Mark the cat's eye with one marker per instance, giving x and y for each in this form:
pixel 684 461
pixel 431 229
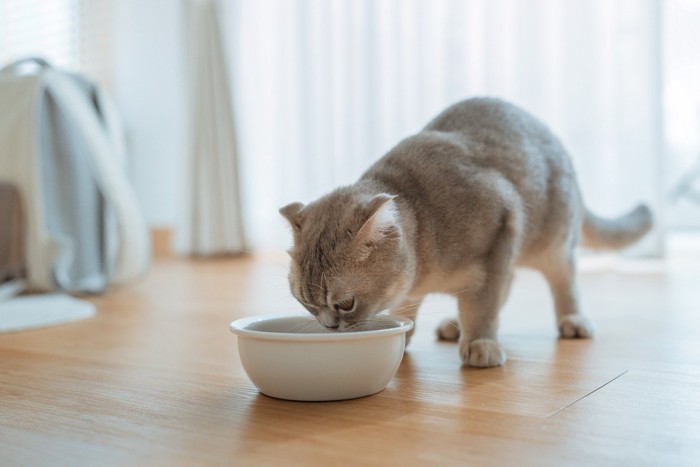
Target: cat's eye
pixel 345 305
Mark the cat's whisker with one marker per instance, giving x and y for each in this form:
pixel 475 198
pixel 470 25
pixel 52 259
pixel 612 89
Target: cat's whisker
pixel 315 285
pixel 312 326
pixel 375 323
pixel 459 292
pixel 303 327
pixel 402 308
pixel 296 327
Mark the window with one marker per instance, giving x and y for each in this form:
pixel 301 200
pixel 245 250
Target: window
pixel 72 34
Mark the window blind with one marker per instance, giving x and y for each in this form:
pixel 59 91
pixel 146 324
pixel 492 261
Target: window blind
pixel 71 34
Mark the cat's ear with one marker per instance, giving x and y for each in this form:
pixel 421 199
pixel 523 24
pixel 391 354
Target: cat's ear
pixel 291 213
pixel 383 223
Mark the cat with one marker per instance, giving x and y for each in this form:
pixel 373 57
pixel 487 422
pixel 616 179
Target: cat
pixel 483 188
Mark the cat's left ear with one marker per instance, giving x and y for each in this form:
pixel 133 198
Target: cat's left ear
pixel 383 222
pixel 291 213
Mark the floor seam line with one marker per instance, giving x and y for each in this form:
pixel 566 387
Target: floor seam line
pixel 561 409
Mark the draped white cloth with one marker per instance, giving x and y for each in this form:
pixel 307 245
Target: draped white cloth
pixel 212 223
pixel 325 87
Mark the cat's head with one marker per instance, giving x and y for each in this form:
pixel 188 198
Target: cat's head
pixel 349 259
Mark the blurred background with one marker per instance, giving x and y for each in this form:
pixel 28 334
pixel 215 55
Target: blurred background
pixel 317 90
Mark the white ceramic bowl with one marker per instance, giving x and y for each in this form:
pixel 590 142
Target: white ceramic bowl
pixel 295 358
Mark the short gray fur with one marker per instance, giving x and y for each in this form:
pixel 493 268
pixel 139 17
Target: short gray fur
pixel 485 187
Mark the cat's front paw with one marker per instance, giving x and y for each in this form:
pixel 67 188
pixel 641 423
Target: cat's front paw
pixel 573 326
pixel 448 330
pixel 482 353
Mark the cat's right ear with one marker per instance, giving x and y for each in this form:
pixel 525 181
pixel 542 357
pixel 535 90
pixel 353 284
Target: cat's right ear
pixel 291 213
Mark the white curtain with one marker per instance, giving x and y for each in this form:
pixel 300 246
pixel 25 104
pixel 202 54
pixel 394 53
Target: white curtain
pixel 324 88
pixel 212 223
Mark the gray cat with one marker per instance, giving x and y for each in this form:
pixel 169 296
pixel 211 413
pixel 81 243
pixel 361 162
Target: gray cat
pixel 485 187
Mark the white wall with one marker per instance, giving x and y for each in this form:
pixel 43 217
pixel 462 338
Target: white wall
pixel 148 86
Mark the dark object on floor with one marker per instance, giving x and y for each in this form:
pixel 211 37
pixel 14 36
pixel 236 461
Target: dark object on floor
pixel 12 265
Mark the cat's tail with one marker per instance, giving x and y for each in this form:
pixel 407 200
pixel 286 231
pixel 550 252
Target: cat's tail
pixel 619 232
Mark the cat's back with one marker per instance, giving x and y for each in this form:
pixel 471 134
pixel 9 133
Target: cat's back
pixel 501 136
pixel 449 166
pixel 473 137
pixel 479 116
pixel 490 126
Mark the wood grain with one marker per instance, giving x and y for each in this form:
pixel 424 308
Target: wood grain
pixel 154 379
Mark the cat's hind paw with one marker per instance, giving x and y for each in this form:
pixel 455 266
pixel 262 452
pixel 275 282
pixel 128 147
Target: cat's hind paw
pixel 482 353
pixel 575 326
pixel 448 330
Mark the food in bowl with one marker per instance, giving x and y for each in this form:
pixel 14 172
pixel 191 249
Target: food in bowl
pixel 295 358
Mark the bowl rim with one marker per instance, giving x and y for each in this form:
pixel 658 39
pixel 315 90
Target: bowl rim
pixel 238 327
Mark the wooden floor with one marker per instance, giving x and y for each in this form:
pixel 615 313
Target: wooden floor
pixel 154 379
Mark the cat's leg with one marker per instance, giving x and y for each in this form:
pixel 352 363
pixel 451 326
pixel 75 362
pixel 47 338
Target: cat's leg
pixel 479 308
pixel 560 273
pixel 409 309
pixel 478 319
pixel 448 329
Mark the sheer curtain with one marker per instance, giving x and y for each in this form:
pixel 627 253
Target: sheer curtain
pixel 324 88
pixel 212 223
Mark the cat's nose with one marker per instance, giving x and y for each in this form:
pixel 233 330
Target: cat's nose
pixel 329 319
